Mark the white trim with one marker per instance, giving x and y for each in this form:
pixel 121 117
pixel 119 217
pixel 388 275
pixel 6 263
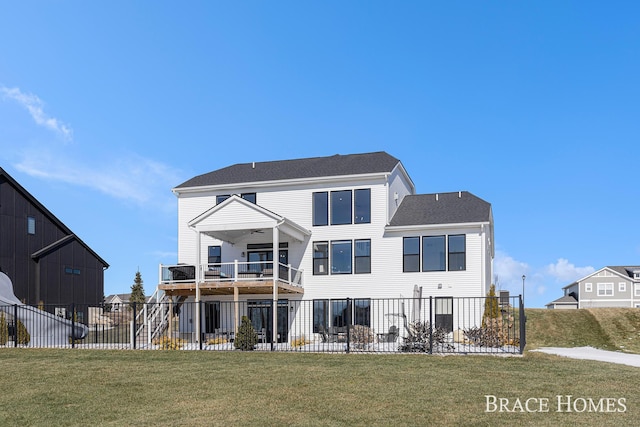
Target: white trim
pixel 588 287
pixel 403 228
pixel 622 287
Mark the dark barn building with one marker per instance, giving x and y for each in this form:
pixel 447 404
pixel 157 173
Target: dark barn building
pixel 46 262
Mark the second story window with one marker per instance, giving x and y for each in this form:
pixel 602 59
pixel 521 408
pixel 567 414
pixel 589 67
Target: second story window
pixel 411 254
pixel 321 208
pixel 31 225
pixel 320 258
pixel 341 207
pixel 457 253
pixel 362 206
pixel 249 197
pixel 433 253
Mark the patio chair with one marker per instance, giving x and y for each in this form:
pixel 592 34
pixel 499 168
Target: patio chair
pixel 390 336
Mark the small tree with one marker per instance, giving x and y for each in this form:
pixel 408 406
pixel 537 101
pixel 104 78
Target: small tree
pixel 491 306
pixel 246 338
pixel 137 290
pixel 4 329
pixel 23 335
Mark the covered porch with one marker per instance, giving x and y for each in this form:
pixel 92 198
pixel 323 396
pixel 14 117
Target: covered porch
pixel 262 239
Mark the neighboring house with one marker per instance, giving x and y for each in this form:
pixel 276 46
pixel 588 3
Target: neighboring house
pixel 117 302
pixel 608 287
pixel 344 226
pixel 43 258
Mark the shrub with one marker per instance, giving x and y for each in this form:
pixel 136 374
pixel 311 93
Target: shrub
pixel 495 332
pixel 168 343
pixel 421 336
pixel 299 342
pixel 23 335
pixel 491 306
pixel 246 337
pixel 360 336
pixel 4 329
pixel 217 340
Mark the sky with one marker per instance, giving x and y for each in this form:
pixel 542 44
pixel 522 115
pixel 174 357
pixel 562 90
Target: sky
pixel 105 106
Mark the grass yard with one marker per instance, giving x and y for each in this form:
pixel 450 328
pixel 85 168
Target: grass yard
pixel 143 388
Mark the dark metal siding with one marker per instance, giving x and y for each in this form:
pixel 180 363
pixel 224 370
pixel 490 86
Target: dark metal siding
pixel 44 279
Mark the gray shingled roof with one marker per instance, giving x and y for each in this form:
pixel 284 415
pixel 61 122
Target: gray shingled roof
pixel 625 271
pixel 443 208
pixel 337 165
pixel 567 299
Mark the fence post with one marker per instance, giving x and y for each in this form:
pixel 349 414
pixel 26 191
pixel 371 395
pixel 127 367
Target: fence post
pixel 73 325
pixel 15 325
pixel 523 329
pixel 348 321
pixel 430 324
pixel 134 327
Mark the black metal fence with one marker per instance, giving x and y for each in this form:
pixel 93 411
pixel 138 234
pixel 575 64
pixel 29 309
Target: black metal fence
pixel 426 325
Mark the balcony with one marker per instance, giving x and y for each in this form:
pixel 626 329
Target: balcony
pixel 228 278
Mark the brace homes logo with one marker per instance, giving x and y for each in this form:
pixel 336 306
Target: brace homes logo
pixel 558 403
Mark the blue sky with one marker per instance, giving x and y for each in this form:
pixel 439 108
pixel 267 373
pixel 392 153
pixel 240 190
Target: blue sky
pixel 534 107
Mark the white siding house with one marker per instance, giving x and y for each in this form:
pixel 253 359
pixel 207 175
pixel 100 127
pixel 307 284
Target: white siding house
pixel 344 226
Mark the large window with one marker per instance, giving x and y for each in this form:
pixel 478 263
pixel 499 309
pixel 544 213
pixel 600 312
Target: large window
pixel 341 257
pixel 215 255
pixel 320 315
pixel 31 225
pixel 457 252
pixel 321 208
pixel 341 207
pixel 605 289
pixel 362 312
pixel 433 253
pixel 320 258
pixel 363 256
pixel 411 254
pixel 362 206
pixel 339 313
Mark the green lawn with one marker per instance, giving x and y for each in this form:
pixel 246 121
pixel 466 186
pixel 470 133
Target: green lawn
pixel 143 388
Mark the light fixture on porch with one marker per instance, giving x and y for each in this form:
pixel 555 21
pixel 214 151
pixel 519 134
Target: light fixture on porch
pixel 242 254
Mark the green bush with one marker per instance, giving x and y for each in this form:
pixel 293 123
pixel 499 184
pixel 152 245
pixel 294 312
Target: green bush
pixel 246 337
pixel 491 306
pixel 23 335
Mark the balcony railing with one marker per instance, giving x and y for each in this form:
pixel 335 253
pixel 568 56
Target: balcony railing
pixel 260 271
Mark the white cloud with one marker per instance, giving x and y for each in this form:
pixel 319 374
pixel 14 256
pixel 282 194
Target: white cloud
pixel 508 271
pixel 564 271
pixel 34 106
pixel 132 178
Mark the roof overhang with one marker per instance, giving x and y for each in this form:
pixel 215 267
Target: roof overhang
pixel 419 227
pixel 237 219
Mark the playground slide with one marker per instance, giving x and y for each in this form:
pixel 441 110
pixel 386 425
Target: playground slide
pixel 45 329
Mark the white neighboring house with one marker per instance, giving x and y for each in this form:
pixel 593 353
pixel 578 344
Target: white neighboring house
pixel 117 301
pixel 613 286
pixel 343 226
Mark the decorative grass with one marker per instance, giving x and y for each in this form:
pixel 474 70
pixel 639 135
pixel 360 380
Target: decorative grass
pixel 200 388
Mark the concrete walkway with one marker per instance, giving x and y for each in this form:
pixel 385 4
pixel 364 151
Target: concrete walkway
pixel 590 353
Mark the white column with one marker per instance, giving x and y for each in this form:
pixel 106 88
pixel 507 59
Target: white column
pixel 197 278
pixel 276 273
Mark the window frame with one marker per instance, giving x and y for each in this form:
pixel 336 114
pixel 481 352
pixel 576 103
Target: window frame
pixel 320 261
pixel 363 258
pixel 338 216
pixel 406 255
pixel 451 254
pixel 362 313
pixel 320 315
pixel 588 287
pixel 320 208
pixel 221 198
pixel 604 288
pixel 250 197
pixel 426 266
pixel 340 311
pixel 31 225
pixel 362 206
pixel 211 259
pixel 622 287
pixel 333 258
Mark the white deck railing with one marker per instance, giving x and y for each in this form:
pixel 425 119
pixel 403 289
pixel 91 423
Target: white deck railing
pixel 229 272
